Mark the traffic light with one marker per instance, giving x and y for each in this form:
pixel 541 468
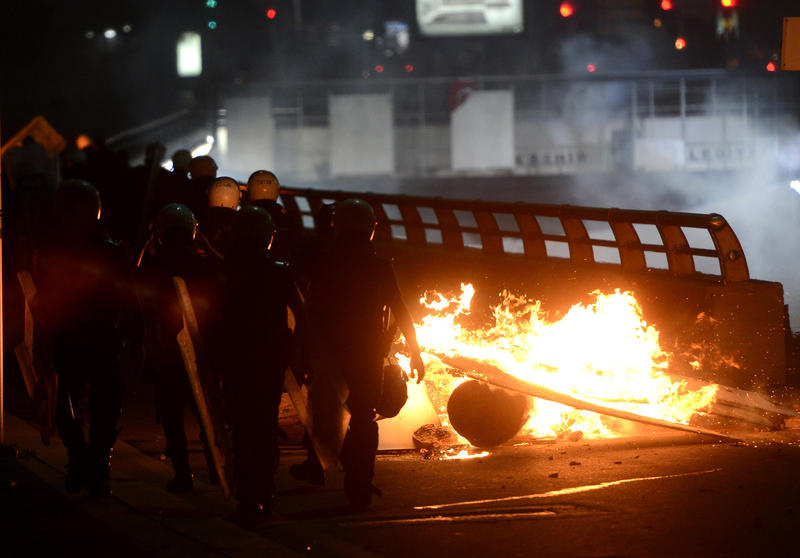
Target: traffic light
pixel 666 5
pixel 271 13
pixel 566 9
pixel 680 43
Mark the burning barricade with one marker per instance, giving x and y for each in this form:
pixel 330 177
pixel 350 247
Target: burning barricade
pixel 572 376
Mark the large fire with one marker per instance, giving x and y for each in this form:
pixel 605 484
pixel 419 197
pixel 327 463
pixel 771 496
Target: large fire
pixel 603 352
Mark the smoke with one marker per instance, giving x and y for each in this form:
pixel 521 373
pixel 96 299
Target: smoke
pixel 744 154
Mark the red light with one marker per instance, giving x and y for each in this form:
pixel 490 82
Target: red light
pixel 271 13
pixel 379 69
pixel 591 67
pixel 566 9
pixel 409 68
pixel 771 67
pixel 680 43
pixel 666 5
pixel 728 3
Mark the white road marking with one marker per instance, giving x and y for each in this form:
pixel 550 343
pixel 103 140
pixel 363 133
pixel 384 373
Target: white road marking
pixel 565 491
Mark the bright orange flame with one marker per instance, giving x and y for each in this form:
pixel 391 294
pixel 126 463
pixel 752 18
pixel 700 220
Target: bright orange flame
pixel 602 352
pixel 566 9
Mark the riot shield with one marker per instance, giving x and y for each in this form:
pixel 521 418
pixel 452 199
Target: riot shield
pixel 205 390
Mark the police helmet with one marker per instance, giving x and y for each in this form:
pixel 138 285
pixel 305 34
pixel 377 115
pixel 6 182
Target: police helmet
pixel 224 192
pixel 203 166
pixel 175 220
pixel 253 228
pixel 263 185
pixel 395 392
pixel 78 200
pixel 354 217
pixel 181 160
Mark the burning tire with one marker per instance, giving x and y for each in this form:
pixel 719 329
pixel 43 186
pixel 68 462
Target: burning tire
pixel 487 416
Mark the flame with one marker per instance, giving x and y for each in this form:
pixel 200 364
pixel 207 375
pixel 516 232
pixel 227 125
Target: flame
pixel 602 352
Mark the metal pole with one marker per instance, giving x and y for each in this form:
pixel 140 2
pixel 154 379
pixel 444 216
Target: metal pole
pixel 2 377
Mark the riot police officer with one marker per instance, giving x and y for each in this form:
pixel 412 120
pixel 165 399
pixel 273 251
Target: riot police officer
pixel 252 352
pixel 86 314
pixel 350 292
pixel 263 189
pixel 175 254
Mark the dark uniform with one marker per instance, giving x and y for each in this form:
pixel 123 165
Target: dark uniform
pixel 86 313
pixel 287 234
pixel 252 350
pixel 175 256
pixel 351 293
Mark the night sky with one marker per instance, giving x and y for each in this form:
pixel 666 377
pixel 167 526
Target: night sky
pixel 49 65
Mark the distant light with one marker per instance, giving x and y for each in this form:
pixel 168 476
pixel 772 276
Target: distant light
pixel 109 34
pixel 591 67
pixel 666 5
pixel 126 28
pixel 379 69
pixel 189 55
pixel 211 3
pixel 728 3
pixel 409 68
pixel 566 9
pixel 680 43
pixel 89 35
pixel 271 13
pixel 222 140
pixel 83 141
pixel 203 148
pixel 795 185
pixel 657 22
pixel 771 67
pixel 212 24
pixel 368 35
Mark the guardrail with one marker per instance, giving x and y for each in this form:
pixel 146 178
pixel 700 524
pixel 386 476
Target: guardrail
pixel 681 244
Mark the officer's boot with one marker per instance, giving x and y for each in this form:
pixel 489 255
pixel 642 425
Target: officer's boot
pixel 183 480
pixel 99 467
pixel 358 459
pixel 75 479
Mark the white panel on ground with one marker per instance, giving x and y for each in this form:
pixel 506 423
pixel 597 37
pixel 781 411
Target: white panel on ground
pixel 251 138
pixel 482 132
pixel 397 432
pixel 362 134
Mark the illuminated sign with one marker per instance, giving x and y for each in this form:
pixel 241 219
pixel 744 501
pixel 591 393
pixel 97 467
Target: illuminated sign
pixel 190 59
pixel 469 17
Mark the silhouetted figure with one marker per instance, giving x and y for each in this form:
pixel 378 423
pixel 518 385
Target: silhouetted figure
pixel 86 311
pixel 216 220
pixel 202 172
pixel 253 349
pixel 175 254
pixel 263 190
pixel 351 293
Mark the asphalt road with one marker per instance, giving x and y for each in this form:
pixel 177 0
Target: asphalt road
pixel 656 494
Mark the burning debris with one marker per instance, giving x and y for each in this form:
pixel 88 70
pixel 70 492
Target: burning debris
pixel 598 360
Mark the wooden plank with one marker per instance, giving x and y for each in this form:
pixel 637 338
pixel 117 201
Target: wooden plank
pixel 489 373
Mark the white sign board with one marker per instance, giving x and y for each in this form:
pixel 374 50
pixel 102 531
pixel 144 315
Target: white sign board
pixel 482 132
pixel 362 134
pixel 469 17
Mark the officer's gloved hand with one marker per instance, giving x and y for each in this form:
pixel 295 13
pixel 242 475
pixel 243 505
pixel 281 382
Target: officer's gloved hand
pixel 418 366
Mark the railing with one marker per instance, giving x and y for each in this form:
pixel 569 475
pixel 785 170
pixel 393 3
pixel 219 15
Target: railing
pixel 681 244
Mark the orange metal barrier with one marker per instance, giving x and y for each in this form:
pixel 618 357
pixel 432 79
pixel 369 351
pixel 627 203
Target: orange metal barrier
pixel 681 244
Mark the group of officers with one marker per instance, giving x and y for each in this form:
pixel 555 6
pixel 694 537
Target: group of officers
pixel 247 265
